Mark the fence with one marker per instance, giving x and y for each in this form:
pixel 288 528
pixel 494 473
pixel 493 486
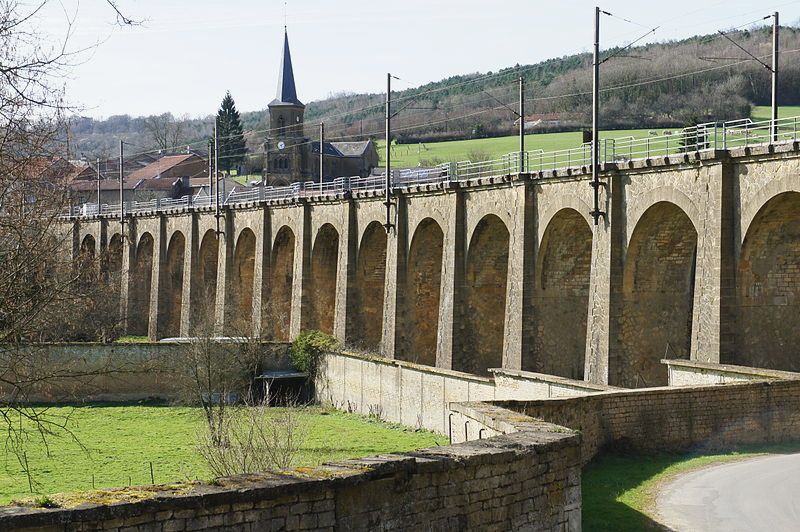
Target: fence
pixel 702 137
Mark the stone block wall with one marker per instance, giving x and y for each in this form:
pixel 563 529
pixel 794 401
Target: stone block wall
pixel 528 479
pixel 692 373
pixel 661 419
pixel 418 396
pixel 109 372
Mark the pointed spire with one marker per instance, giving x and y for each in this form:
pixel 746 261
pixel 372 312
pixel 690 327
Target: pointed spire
pixel 287 93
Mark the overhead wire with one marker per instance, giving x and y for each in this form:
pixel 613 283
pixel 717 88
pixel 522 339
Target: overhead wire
pixel 414 95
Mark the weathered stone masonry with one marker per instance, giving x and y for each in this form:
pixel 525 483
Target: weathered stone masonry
pixel 528 480
pixel 697 258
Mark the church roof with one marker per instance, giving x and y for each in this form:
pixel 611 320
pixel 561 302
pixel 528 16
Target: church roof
pixel 342 149
pixel 352 149
pixel 287 92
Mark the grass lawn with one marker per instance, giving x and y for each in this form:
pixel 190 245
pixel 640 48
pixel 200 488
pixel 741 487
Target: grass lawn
pixel 619 490
pixel 764 112
pixel 410 155
pixel 121 441
pixel 431 153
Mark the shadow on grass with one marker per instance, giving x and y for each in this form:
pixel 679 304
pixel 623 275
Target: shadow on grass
pixel 614 497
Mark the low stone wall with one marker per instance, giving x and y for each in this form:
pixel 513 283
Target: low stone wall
pixel 659 419
pixel 528 479
pixel 109 372
pixel 419 396
pixel 691 373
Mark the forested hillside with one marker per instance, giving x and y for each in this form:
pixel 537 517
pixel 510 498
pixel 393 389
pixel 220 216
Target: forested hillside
pixel 659 85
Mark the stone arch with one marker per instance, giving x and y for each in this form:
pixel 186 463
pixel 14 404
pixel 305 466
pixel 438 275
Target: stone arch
pixel 112 265
pixel 561 296
pixel 768 287
pixel 483 307
pixel 240 309
pixel 766 193
pixel 324 267
pixel 366 328
pixel 171 293
pixel 141 282
pixel 658 292
pixel 86 259
pixel 478 214
pixel 422 294
pixel 555 204
pixel 88 245
pixel 204 291
pixel 637 209
pixel 279 307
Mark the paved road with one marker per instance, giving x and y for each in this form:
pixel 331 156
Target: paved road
pixel 758 494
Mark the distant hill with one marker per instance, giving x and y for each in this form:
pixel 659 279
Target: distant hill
pixel 643 87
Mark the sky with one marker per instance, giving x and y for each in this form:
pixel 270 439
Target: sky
pixel 187 53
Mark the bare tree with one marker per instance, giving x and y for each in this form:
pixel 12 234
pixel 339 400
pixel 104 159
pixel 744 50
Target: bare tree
pixel 165 131
pixel 43 291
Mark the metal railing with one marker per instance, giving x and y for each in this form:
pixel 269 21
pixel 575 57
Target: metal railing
pixel 709 136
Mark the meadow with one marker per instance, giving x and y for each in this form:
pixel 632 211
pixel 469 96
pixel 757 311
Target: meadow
pixel 114 445
pixel 432 153
pixel 619 489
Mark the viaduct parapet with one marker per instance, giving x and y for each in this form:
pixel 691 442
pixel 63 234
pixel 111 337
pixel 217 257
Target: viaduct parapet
pixel 697 258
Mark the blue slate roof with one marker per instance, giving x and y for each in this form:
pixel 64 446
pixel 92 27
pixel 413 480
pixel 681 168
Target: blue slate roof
pixel 287 92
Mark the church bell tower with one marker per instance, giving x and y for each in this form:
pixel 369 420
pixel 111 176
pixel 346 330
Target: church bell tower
pixel 284 147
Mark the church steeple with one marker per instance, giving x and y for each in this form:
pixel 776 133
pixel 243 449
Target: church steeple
pixel 287 92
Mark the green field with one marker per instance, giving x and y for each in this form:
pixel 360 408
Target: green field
pixel 619 490
pixel 432 153
pixel 764 112
pixel 121 441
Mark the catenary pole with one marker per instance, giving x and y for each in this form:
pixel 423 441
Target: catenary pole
pixel 321 152
pixel 595 116
pixel 521 125
pixel 97 162
pixel 775 47
pixel 121 189
pixel 388 177
pixel 210 171
pixel 216 171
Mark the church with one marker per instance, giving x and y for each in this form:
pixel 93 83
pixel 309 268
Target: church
pixel 290 156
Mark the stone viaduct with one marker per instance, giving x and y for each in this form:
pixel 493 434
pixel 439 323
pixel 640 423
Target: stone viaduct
pixel 698 257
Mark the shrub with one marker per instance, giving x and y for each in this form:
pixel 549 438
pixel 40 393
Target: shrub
pixel 307 349
pixel 254 438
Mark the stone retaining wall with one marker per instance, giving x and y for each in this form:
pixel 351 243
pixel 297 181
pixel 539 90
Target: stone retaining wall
pixel 528 479
pixel 418 396
pixel 693 373
pixel 660 419
pixel 110 372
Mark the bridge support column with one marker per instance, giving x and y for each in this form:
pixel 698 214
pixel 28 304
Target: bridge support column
pixel 302 270
pixel 453 260
pixel 519 253
pixel 713 310
pixel 345 271
pixel 605 285
pixel 259 268
pixel 159 256
pixel 226 241
pixel 128 260
pixel 189 267
pixel 396 246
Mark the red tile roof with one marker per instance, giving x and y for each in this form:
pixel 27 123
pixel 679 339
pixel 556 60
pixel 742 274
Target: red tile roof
pixel 160 166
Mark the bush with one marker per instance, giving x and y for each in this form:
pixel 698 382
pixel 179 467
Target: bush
pixel 308 348
pixel 254 438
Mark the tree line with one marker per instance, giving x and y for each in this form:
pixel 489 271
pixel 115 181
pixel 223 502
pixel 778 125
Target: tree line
pixel 667 84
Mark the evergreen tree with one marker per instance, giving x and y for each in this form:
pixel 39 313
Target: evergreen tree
pixel 231 135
